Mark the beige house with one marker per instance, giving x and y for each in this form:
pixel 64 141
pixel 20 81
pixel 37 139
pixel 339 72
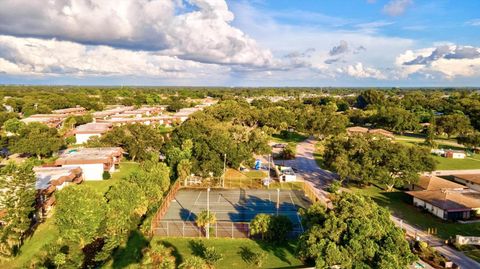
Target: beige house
pixel 84 132
pixel 93 161
pixel 51 179
pixel 470 180
pixel 448 204
pixel 434 183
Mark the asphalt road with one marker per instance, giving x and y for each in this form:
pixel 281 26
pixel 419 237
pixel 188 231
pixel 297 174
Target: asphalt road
pixel 307 169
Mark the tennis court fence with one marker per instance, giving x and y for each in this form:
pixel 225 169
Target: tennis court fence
pixel 221 229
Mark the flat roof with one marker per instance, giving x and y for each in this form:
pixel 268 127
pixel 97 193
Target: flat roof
pixel 88 155
pixel 45 175
pixel 450 200
pixel 93 128
pixel 475 178
pixel 68 110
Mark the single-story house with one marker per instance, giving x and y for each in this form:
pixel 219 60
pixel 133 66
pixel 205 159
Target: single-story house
pixel 84 132
pixel 363 130
pixel 160 120
pixel 382 132
pixel 448 204
pixel 50 179
pixel 287 174
pixel 455 154
pixel 145 111
pixel 93 161
pixel 184 113
pixel 111 111
pixel 51 120
pixel 357 130
pixel 470 180
pixel 78 110
pixel 434 183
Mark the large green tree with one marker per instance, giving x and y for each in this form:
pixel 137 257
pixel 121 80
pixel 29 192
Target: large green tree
pixel 17 203
pixel 153 179
pixel 355 233
pixel 453 124
pixel 37 139
pixel 80 214
pixel 138 140
pixel 373 160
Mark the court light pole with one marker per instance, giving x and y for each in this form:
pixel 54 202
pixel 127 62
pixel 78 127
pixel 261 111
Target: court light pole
pixel 224 169
pixel 208 214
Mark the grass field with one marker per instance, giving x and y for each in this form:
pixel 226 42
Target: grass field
pixel 46 233
pixel 293 137
pixel 397 203
pixel 471 162
pixel 104 185
pixel 233 251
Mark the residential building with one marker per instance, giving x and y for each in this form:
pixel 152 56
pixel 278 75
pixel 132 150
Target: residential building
pixel 111 111
pixel 363 130
pixel 86 131
pixel 470 180
pixel 434 183
pixel 78 110
pixel 93 161
pixel 51 179
pixel 448 204
pixel 51 120
pixel 455 154
pixel 382 132
pixel 357 130
pixel 287 174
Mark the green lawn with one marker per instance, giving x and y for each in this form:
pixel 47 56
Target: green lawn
pixel 397 203
pixel 472 162
pixel 293 137
pixel 104 185
pixel 279 255
pixel 45 233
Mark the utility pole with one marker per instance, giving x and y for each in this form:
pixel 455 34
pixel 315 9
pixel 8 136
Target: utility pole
pixel 208 214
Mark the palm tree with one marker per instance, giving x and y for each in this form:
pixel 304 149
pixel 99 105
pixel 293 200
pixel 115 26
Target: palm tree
pixel 204 219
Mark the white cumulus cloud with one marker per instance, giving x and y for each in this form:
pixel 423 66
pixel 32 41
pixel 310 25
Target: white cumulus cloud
pixel 450 61
pixel 202 32
pixel 33 56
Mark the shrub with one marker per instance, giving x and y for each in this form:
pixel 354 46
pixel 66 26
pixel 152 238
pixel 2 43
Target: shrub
pixel 258 257
pixel 212 256
pixel 193 262
pixel 106 175
pixel 289 151
pixel 335 186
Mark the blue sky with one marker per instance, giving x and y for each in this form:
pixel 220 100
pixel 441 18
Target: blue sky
pixel 241 42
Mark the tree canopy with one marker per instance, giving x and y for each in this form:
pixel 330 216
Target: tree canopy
pixel 372 160
pixel 356 233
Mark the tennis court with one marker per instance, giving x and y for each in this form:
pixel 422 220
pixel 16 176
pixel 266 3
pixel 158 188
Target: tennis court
pixel 233 208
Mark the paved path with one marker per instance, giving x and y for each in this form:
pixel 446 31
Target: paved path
pixel 309 171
